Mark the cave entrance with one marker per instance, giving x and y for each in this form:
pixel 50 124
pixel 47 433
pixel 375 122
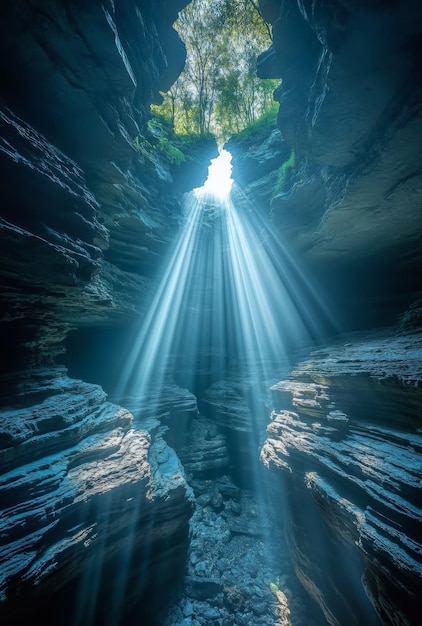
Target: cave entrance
pixel 228 294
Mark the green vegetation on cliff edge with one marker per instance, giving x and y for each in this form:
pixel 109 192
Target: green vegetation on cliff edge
pixel 161 139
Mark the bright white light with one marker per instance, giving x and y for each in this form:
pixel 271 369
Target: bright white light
pixel 219 181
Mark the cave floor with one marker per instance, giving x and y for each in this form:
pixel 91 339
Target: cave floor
pixel 238 570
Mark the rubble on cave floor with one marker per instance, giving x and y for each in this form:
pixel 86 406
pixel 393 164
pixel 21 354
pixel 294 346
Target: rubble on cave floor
pixel 237 572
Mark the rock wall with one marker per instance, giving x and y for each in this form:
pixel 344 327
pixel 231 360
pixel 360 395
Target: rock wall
pixel 344 439
pixel 350 97
pixel 85 220
pixel 85 216
pixel 339 178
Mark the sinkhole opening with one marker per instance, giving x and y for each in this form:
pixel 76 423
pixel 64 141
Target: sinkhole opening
pixel 219 182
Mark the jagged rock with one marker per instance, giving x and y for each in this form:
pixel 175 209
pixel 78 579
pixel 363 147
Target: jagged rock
pixel 350 111
pixel 93 70
pixel 85 217
pixel 345 437
pixel 86 492
pixel 201 448
pixel 252 162
pixel 202 588
pixel 80 489
pixel 239 406
pixel 87 220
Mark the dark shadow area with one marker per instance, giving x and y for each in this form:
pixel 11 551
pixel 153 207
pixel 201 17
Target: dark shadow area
pixel 105 594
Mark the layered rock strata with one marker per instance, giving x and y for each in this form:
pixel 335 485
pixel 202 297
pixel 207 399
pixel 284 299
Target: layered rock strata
pixel 83 494
pixel 345 441
pixel 86 218
pixel 344 191
pixel 350 109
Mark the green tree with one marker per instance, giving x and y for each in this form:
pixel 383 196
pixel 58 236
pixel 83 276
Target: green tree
pixel 218 90
pixel 201 26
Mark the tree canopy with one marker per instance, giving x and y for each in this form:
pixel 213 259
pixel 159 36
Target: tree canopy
pixel 218 91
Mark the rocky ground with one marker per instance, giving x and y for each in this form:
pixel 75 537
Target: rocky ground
pixel 230 577
pixel 238 571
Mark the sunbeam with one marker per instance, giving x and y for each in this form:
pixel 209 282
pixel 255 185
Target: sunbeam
pixel 219 181
pixel 229 288
pixel 225 299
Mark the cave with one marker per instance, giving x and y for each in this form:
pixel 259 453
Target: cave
pixel 211 374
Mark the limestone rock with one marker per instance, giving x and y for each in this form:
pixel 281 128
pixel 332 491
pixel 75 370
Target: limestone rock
pixel 80 489
pixel 345 436
pixel 350 112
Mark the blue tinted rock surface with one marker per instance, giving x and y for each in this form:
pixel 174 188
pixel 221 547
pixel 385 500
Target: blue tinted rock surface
pixel 345 441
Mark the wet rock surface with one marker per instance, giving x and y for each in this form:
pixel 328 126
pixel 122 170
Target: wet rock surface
pixel 84 491
pixel 350 114
pixel 345 440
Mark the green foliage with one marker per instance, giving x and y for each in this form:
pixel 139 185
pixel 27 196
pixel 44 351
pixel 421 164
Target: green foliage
pixel 257 131
pixel 172 152
pixel 218 91
pixel 285 173
pixel 143 146
pixel 273 587
pixel 164 141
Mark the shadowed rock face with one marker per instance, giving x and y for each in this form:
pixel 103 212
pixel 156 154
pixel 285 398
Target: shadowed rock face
pixel 85 217
pixel 350 102
pixel 345 440
pixel 94 508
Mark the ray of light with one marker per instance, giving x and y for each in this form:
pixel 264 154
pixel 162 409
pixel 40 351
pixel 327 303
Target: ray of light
pixel 316 313
pixel 219 181
pixel 228 294
pixel 150 353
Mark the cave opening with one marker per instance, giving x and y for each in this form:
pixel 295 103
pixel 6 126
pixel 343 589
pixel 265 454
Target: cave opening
pixel 211 390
